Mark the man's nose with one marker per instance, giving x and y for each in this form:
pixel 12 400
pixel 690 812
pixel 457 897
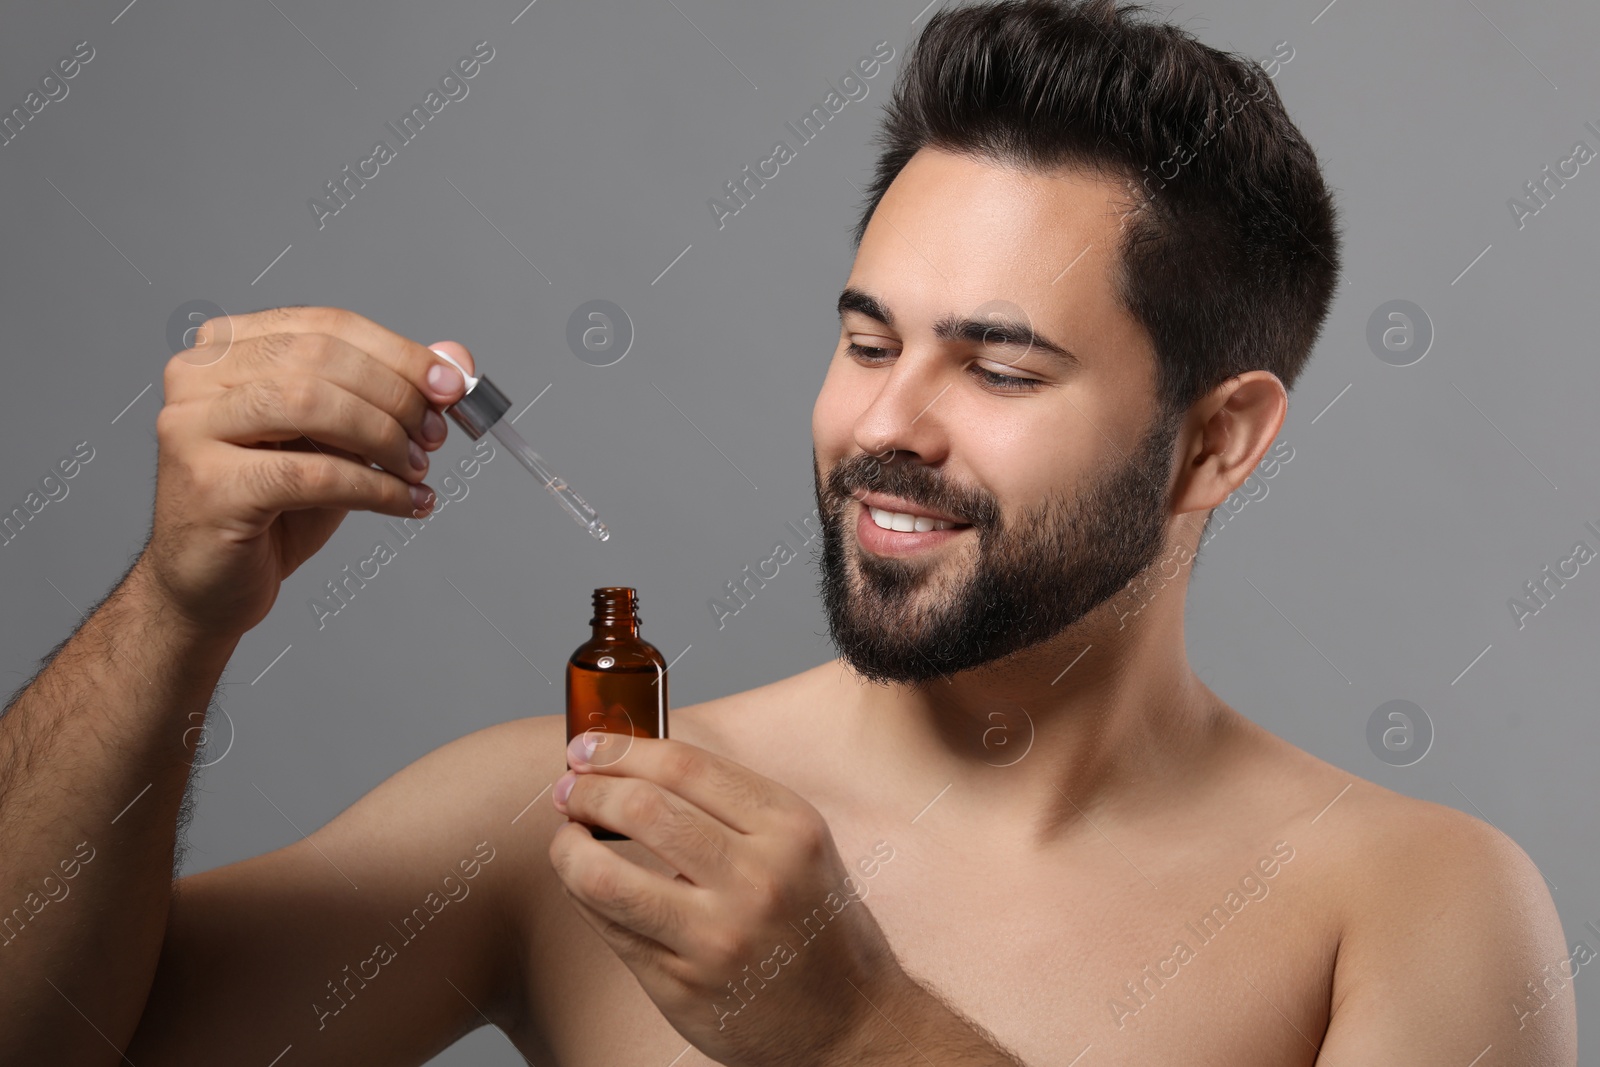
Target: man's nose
pixel 904 418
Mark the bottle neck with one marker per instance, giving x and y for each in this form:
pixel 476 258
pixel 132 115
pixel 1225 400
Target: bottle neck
pixel 616 629
pixel 616 615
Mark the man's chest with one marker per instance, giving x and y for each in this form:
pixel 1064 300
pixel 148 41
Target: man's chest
pixel 1101 962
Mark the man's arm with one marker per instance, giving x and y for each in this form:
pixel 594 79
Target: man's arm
pixel 1455 952
pixel 275 425
pixel 94 760
pixel 381 938
pixel 912 1026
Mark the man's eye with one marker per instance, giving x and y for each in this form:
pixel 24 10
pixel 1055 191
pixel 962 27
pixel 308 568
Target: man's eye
pixel 1006 381
pixel 864 352
pixel 988 377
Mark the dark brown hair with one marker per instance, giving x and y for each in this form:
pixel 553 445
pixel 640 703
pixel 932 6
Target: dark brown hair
pixel 1230 263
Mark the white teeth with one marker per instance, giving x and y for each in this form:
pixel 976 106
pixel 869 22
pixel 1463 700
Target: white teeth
pixel 893 520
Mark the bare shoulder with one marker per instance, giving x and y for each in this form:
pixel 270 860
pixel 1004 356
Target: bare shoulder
pixel 1385 839
pixel 1384 846
pixel 1451 931
pixel 1449 940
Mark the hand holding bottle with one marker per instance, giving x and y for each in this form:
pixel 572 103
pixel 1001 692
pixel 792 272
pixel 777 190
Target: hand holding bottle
pixel 752 857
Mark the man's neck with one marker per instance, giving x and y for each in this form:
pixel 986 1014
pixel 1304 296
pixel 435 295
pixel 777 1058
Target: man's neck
pixel 1030 748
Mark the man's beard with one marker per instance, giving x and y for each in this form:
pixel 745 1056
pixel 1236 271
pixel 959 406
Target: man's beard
pixel 1033 578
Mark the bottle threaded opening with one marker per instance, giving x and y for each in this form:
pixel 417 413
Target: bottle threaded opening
pixel 615 604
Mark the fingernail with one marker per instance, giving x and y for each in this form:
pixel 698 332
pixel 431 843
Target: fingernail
pixel 581 748
pixel 433 427
pixel 421 498
pixel 444 379
pixel 563 788
pixel 419 458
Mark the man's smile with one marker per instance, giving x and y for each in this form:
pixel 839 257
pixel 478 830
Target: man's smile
pixel 893 532
pixel 888 508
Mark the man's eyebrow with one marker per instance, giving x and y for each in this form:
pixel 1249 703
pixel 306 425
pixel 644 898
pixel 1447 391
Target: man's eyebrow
pixel 997 332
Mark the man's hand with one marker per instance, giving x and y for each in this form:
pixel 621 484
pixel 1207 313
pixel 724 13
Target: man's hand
pixel 272 424
pixel 762 902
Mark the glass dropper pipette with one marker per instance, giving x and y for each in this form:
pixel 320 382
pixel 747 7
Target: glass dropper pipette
pixel 482 410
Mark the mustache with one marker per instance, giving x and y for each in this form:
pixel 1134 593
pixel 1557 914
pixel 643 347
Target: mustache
pixel 917 484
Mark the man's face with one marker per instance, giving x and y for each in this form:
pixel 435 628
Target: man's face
pixel 1059 481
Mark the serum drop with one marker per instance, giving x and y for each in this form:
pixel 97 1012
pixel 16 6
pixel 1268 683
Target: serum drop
pixel 616 683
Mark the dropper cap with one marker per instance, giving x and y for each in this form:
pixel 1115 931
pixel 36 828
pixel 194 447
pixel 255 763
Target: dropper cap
pixel 481 407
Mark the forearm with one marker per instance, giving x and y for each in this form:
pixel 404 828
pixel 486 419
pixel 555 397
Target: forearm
pixel 94 760
pixel 908 1025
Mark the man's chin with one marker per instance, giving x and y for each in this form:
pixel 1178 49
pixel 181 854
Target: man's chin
pixel 880 674
pixel 886 647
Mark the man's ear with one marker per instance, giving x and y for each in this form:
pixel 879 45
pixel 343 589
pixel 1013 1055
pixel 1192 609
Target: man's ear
pixel 1229 431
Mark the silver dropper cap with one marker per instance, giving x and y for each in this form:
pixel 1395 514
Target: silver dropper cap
pixel 481 407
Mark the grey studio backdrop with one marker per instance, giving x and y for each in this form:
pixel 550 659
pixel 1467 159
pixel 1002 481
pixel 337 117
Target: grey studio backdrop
pixel 1376 565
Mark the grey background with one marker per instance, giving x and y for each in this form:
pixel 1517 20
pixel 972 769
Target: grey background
pixel 180 165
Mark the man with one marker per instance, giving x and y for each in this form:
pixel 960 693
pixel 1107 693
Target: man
pixel 1008 825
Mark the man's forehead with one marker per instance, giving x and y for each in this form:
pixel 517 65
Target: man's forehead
pixel 953 234
pixel 994 208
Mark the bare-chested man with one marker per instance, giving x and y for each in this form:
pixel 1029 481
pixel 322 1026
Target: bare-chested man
pixel 1009 824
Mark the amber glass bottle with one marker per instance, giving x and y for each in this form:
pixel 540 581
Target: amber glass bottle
pixel 616 682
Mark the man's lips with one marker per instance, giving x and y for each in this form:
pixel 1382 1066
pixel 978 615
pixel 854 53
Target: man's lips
pixel 902 506
pixel 904 544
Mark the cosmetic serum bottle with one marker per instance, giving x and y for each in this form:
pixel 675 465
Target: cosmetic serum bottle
pixel 616 683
